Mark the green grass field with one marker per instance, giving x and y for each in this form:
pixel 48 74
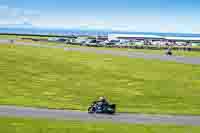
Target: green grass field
pixel 54 78
pixel 19 125
pixel 42 43
pixel 21 36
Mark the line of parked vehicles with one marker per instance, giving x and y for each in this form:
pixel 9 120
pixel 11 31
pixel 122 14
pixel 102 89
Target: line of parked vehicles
pixel 93 42
pixel 102 43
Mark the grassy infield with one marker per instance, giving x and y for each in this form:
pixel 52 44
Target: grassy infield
pixel 53 78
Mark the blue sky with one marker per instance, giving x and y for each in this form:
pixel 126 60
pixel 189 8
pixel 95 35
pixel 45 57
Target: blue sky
pixel 129 15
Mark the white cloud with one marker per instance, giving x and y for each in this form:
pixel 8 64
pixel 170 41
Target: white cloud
pixel 12 16
pixel 121 21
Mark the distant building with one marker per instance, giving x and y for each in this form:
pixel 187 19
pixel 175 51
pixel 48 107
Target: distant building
pixel 155 39
pixel 134 37
pixel 102 38
pixel 184 39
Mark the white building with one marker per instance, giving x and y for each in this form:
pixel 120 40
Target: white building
pixel 133 37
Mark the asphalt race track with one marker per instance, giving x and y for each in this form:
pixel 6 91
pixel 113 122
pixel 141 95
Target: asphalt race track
pixel 12 111
pixel 179 59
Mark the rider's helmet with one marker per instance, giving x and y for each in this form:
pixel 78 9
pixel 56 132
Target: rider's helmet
pixel 101 98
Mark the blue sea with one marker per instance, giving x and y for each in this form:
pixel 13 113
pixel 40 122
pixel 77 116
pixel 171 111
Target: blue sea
pixel 41 31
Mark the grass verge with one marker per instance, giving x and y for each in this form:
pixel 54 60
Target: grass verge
pixel 19 125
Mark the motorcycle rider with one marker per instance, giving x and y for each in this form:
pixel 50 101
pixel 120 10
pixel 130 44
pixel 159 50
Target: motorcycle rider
pixel 102 102
pixel 101 105
pixel 169 51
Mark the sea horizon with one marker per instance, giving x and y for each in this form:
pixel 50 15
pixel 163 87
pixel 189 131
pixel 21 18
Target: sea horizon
pixel 79 31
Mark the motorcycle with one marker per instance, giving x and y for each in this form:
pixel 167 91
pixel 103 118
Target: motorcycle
pixel 102 109
pixel 169 53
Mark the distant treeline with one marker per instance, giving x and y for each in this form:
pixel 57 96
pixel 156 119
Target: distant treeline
pixel 38 35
